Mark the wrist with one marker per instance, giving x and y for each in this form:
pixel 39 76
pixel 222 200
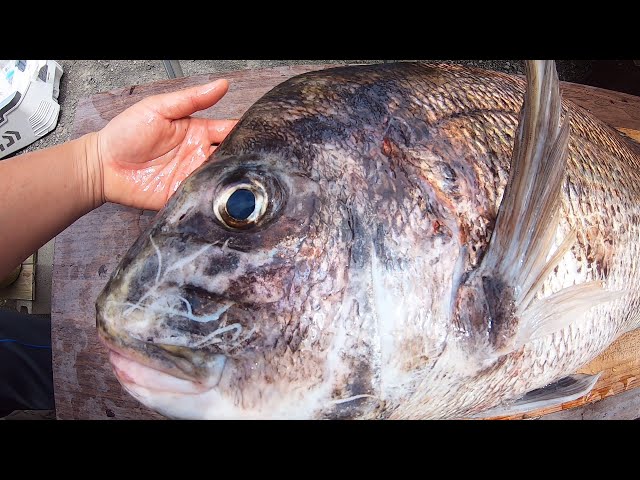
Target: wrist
pixel 90 170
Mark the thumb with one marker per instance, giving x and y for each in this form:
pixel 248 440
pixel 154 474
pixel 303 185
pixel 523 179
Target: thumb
pixel 183 103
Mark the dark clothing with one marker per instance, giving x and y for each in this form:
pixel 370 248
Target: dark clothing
pixel 26 375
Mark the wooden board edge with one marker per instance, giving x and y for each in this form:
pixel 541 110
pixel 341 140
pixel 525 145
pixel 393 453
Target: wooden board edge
pixel 629 132
pixel 74 129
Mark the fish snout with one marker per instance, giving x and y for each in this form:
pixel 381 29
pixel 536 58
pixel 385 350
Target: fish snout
pixel 136 360
pixel 171 332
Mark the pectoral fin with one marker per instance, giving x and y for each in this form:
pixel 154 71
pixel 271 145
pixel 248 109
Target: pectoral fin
pixel 566 389
pixel 528 216
pixel 497 303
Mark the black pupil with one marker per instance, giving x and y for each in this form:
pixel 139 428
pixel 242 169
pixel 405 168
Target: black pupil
pixel 241 204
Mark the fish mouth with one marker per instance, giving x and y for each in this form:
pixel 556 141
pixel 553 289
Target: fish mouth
pixel 160 368
pixel 132 373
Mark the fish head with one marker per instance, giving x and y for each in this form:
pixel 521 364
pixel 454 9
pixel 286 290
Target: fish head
pixel 218 309
pixel 298 273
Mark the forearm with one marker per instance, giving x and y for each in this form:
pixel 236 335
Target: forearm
pixel 42 193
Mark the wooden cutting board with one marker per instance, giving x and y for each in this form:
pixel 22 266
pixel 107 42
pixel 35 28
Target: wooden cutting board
pixel 87 252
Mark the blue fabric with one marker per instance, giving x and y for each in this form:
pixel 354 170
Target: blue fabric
pixel 26 374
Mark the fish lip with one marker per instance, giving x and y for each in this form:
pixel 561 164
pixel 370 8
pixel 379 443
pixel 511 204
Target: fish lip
pixel 129 381
pixel 132 354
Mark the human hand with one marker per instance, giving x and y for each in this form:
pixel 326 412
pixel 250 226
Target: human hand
pixel 147 151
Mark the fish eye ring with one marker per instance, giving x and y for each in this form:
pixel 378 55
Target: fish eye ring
pixel 241 204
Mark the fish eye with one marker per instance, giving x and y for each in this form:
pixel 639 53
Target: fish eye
pixel 241 205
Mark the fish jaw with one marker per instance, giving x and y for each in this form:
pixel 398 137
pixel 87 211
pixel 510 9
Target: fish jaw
pixel 133 373
pixel 135 360
pixel 165 380
pixel 171 396
pixel 180 399
pixel 177 398
pixel 158 379
pixel 172 372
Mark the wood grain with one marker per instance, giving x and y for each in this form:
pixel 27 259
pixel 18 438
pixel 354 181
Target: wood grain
pixel 88 251
pixel 620 110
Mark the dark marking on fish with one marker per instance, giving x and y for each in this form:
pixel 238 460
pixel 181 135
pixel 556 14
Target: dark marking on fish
pixel 319 129
pixel 350 409
pixel 102 270
pixel 266 284
pixel 358 383
pixel 360 380
pixel 360 252
pixel 223 264
pixel 407 132
pixel 379 242
pixel 202 301
pixel 197 225
pixel 145 278
pixel 501 308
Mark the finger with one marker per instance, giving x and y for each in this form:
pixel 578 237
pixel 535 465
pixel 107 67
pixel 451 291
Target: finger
pixel 218 129
pixel 183 103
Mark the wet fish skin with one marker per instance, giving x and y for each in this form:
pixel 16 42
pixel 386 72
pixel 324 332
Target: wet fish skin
pixel 342 294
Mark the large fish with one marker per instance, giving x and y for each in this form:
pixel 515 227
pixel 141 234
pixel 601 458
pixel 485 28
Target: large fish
pixel 368 243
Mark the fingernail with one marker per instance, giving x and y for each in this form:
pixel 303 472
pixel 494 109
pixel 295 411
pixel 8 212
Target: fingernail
pixel 211 86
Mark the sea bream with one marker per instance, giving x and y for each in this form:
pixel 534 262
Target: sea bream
pixel 394 241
